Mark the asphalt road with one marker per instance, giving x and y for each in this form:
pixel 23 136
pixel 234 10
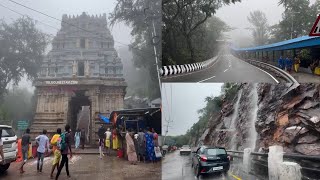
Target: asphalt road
pixel 227 68
pixel 177 167
pixel 88 167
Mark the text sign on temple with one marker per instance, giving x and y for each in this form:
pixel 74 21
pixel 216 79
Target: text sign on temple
pixel 61 82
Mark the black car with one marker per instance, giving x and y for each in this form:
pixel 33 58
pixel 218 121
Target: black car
pixel 207 160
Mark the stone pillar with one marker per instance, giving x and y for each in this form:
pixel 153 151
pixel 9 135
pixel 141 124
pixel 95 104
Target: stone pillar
pixel 289 170
pixel 247 160
pixel 275 158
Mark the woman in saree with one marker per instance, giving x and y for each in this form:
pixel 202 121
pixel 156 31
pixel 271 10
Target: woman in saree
pixel 131 150
pixel 150 146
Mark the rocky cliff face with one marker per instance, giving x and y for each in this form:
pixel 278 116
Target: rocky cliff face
pixel 262 115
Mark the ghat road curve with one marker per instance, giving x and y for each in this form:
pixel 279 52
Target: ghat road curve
pixel 226 68
pixel 177 167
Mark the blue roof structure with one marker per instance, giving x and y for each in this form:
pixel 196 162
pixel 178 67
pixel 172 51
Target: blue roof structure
pixel 300 42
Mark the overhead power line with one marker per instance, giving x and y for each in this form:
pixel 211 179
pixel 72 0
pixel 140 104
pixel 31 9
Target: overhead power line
pixel 69 23
pixel 30 18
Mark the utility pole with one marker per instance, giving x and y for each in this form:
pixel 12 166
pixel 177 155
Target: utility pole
pixel 155 42
pixel 292 13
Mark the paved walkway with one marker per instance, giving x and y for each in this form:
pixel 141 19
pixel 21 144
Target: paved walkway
pixel 304 75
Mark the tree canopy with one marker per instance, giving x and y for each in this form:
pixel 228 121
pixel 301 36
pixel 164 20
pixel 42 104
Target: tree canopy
pixel 185 32
pixel 297 20
pixel 22 48
pixel 141 15
pixel 260 30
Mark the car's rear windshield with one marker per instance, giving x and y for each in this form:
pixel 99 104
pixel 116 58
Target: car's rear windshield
pixel 7 132
pixel 215 152
pixel 185 146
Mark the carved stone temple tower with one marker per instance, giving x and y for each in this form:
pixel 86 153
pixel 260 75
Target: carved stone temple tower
pixel 82 69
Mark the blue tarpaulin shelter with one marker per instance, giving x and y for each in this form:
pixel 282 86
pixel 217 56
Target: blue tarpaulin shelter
pixel 296 43
pixel 103 118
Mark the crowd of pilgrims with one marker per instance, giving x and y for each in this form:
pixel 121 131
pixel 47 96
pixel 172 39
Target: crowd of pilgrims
pixel 139 145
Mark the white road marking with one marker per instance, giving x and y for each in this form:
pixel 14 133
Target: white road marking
pixel 225 70
pixel 207 79
pixel 263 71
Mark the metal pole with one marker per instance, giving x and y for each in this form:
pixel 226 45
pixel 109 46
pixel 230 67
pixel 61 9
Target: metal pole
pixel 291 25
pixel 154 34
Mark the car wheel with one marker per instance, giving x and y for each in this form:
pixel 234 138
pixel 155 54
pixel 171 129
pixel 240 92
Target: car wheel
pixel 3 168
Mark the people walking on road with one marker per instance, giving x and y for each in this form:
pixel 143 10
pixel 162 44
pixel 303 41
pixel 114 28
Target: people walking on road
pixel 281 63
pixel 83 137
pixel 65 146
pixel 150 146
pixel 296 63
pixel 43 146
pixel 56 151
pixel 25 142
pixel 115 141
pixel 1 148
pixel 108 141
pixel 131 150
pixel 288 63
pixel 77 138
pixel 141 146
pixel 102 137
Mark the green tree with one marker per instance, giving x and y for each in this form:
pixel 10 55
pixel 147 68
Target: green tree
pixel 141 15
pixel 17 104
pixel 297 20
pixel 183 23
pixel 22 47
pixel 260 30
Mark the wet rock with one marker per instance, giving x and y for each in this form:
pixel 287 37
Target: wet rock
pixel 295 120
pixel 294 130
pixel 293 102
pixel 309 149
pixel 283 119
pixel 308 104
pixel 308 139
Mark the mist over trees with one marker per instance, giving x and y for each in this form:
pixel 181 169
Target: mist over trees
pixel 141 15
pixel 260 29
pixel 187 31
pixel 22 48
pixel 212 108
pixel 17 104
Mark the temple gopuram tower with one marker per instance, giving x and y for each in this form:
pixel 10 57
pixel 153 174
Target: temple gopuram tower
pixel 82 69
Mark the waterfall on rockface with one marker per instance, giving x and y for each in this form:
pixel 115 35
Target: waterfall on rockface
pixel 233 123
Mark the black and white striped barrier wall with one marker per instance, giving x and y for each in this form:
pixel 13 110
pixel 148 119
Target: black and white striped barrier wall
pixel 185 68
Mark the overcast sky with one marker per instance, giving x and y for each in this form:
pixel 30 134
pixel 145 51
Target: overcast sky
pixel 181 101
pixel 235 15
pixel 57 8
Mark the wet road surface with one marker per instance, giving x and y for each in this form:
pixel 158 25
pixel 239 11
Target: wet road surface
pixel 88 167
pixel 177 167
pixel 227 68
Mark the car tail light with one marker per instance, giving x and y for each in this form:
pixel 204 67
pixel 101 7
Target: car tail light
pixel 203 170
pixel 203 158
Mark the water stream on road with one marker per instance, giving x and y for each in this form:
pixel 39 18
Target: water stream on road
pixel 253 117
pixel 233 123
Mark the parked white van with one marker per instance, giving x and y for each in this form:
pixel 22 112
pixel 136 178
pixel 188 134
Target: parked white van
pixel 9 140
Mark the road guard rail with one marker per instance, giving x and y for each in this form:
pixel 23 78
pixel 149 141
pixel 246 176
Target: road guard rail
pixel 310 165
pixel 275 70
pixel 185 68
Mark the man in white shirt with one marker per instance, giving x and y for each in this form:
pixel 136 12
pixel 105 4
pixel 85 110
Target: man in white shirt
pixel 43 144
pixel 108 140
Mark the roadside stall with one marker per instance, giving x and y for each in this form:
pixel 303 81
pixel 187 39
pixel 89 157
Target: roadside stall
pixel 132 120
